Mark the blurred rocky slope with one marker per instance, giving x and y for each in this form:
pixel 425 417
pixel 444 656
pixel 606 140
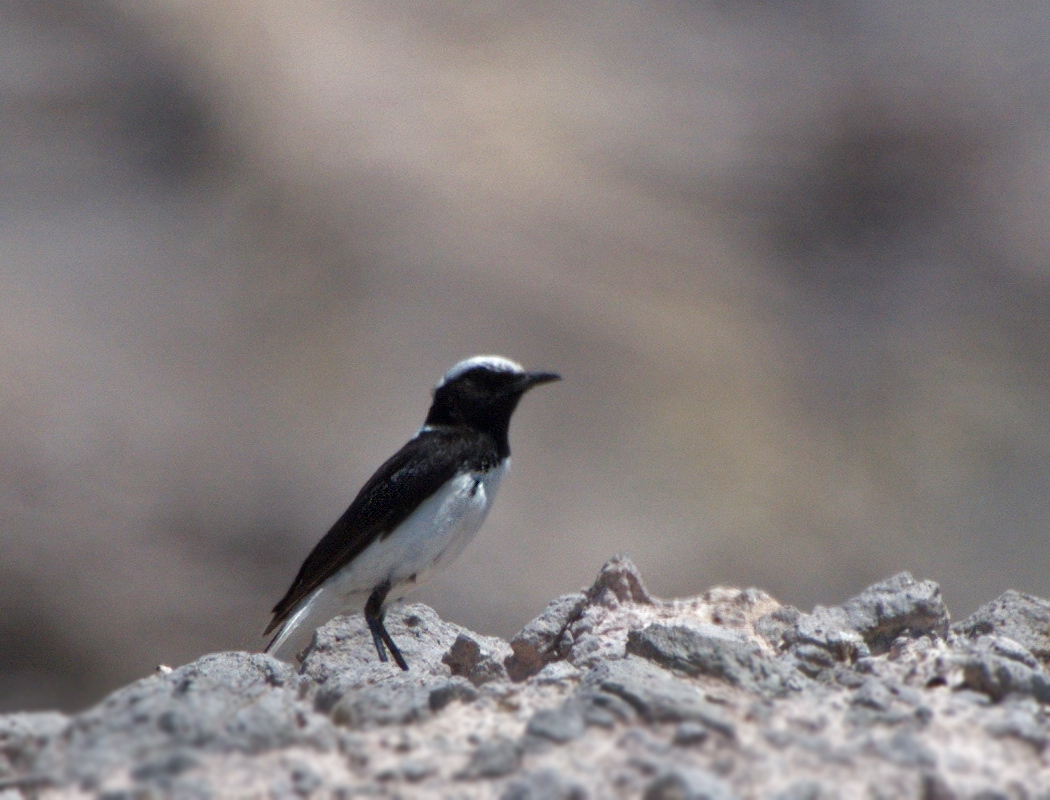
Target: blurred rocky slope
pixel 790 257
pixel 609 693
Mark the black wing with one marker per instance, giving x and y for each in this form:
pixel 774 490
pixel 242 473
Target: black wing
pixel 397 488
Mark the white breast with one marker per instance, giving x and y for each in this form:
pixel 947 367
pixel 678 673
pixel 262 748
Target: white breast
pixel 433 535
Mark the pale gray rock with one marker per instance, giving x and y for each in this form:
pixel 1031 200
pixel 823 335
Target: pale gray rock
pixel 1023 720
pixel 342 656
pixel 999 667
pixel 545 784
pixel 493 759
pixel 162 726
pixel 603 709
pixel 805 790
pixel 409 770
pixel 682 783
pixel 22 735
pixel 610 693
pixel 865 625
pixel 933 786
pixel 541 641
pixel 558 725
pixel 400 701
pixel 656 695
pixel 479 659
pixel 614 605
pixel 619 582
pixel 823 639
pixel 903 748
pixel 558 673
pixel 1017 616
pixel 898 605
pixel 873 694
pixel 690 734
pixel 773 626
pixel 709 650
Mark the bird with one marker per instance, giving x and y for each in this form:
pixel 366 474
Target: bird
pixel 416 513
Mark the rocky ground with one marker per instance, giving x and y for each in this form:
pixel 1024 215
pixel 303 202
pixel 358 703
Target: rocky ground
pixel 610 692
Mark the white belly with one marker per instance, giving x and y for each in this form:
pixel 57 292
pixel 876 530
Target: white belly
pixel 433 535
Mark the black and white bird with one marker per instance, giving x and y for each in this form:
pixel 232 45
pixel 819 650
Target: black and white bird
pixel 417 512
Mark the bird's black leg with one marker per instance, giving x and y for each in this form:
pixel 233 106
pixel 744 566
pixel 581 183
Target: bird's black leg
pixel 373 625
pixel 389 642
pixel 374 618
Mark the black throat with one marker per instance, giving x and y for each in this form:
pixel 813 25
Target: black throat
pixel 490 417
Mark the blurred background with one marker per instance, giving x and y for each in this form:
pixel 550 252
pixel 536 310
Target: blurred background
pixel 791 258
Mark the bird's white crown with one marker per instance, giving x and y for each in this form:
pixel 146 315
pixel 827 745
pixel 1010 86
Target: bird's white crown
pixel 494 363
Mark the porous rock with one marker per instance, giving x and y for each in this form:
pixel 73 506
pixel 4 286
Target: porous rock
pixel 539 642
pixel 682 783
pixel 558 725
pixel 999 667
pixel 493 759
pixel 619 581
pixel 609 693
pixel 544 784
pixel 710 650
pixel 865 625
pixel 656 695
pixel 480 659
pixel 220 704
pixel 900 604
pixel 1017 616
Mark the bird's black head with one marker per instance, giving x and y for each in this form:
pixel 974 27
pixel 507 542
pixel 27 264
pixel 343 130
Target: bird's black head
pixel 482 392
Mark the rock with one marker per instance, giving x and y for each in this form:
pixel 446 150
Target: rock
pixel 558 725
pixel 400 701
pixel 682 783
pixel 1021 721
pixel 773 626
pixel 397 705
pixel 900 604
pixel 710 650
pixel 690 734
pixel 603 709
pixel 493 759
pixel 933 786
pixel 823 639
pixel 999 667
pixel 343 657
pixel 409 770
pixel 873 694
pixel 615 694
pixel 619 582
pixel 1020 617
pixel 656 696
pixel 448 691
pixel 865 625
pixel 220 704
pixel 903 748
pixel 558 673
pixel 804 790
pixel 479 659
pixel 540 642
pixel 22 736
pixel 577 627
pixel 546 784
